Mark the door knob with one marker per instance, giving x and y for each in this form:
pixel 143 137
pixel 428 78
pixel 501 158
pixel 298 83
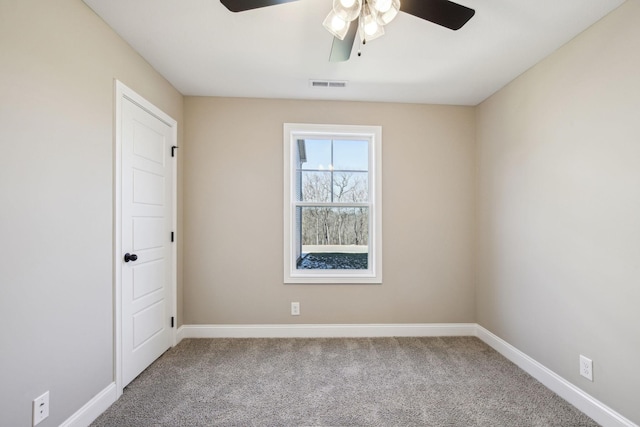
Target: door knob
pixel 130 257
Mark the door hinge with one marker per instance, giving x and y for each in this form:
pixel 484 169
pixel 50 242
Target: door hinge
pixel 172 236
pixel 172 320
pixel 173 150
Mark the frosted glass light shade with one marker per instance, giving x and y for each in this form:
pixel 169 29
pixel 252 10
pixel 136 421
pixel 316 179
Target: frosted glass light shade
pixel 336 25
pixel 386 10
pixel 369 28
pixel 381 5
pixel 348 10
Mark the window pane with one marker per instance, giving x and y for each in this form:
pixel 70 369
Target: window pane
pixel 315 154
pixel 334 238
pixel 351 187
pixel 313 187
pixel 351 155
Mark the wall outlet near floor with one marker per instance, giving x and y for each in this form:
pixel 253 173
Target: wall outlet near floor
pixel 295 309
pixel 586 367
pixel 40 408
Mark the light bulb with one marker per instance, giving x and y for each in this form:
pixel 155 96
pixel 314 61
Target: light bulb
pixel 383 5
pixel 370 28
pixel 337 23
pixel 348 10
pixel 387 11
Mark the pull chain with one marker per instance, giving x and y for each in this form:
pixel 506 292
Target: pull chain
pixel 364 41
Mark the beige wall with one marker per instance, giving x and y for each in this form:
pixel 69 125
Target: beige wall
pixel 234 215
pixel 559 210
pixel 58 62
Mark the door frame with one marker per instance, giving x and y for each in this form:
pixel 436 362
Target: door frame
pixel 123 92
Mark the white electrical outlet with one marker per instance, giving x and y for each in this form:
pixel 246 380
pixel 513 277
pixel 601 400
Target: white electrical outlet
pixel 295 309
pixel 586 367
pixel 40 408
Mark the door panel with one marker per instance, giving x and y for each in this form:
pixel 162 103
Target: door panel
pixel 148 278
pixel 148 188
pixel 148 233
pixel 147 324
pixel 148 144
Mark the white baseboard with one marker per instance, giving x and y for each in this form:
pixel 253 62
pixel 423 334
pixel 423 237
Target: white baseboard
pixel 595 409
pixel 93 408
pixel 327 331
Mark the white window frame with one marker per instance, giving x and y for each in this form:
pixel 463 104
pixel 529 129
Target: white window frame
pixel 373 134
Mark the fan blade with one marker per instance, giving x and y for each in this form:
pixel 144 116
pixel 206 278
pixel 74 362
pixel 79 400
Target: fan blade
pixel 242 5
pixel 441 12
pixel 341 49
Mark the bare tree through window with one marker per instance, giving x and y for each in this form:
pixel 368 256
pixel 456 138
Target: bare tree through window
pixel 332 180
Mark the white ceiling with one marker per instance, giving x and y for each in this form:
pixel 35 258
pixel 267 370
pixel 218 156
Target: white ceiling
pixel 203 49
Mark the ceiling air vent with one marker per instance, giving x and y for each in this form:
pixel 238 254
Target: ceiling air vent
pixel 327 83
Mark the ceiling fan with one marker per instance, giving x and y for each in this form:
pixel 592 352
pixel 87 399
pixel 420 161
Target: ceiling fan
pixel 368 17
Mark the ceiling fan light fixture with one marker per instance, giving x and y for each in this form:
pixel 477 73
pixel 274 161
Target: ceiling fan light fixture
pixel 372 16
pixel 348 10
pixel 336 25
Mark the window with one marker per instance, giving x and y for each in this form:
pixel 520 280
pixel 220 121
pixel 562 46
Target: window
pixel 332 197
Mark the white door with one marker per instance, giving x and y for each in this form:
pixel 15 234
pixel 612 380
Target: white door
pixel 147 170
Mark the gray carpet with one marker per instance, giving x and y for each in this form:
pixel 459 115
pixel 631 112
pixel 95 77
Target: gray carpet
pixel 453 381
